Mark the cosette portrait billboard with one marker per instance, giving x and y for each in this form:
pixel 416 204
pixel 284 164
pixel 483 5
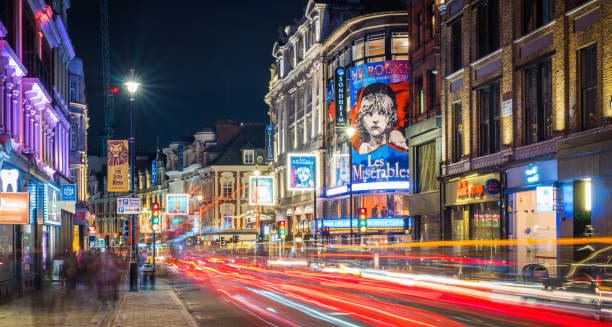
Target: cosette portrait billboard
pixel 301 172
pixel 177 204
pixel 379 100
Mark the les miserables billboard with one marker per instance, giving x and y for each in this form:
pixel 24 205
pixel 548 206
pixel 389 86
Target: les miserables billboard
pixel 379 100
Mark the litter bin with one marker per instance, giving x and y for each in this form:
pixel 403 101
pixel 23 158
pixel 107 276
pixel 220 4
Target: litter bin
pixel 147 277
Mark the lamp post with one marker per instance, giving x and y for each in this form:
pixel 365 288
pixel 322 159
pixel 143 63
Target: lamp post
pixel 133 268
pixel 350 131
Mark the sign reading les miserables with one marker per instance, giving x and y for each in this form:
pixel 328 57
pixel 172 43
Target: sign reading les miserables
pixel 118 166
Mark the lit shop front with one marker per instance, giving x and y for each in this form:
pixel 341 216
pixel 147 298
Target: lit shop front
pixel 472 207
pixel 533 211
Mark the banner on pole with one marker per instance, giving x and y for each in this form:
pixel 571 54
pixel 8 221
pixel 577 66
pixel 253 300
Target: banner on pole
pixel 118 179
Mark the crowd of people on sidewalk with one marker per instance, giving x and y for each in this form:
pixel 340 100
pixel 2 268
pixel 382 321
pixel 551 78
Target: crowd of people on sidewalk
pixel 100 271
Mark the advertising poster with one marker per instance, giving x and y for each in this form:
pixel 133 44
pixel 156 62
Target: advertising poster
pixel 177 204
pixel 380 99
pixel 14 208
pixel 52 211
pixel 261 189
pixel 301 171
pixel 329 101
pixel 118 166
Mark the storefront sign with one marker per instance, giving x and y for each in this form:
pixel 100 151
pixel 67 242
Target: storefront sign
pixel 177 204
pixel 301 172
pixel 492 186
pixel 69 192
pixel 118 166
pixel 51 209
pixel 269 143
pixel 14 208
pixel 465 190
pixel 129 206
pixel 532 174
pixel 92 230
pixel 380 100
pixel 9 179
pixel 261 189
pixel 340 94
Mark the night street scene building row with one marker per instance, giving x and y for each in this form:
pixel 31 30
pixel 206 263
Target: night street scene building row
pixel 43 141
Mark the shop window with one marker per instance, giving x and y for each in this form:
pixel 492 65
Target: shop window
pixel 419 29
pixel 456 48
pixel 487 27
pixel 489 118
pixel 536 13
pixel 458 131
pixel 426 166
pixel 538 103
pixel 588 86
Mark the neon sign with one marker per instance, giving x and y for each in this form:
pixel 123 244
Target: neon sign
pixel 372 223
pixel 532 175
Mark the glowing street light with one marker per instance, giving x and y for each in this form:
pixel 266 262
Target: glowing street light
pixel 132 86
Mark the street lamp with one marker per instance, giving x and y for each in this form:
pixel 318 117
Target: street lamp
pixel 350 131
pixel 132 87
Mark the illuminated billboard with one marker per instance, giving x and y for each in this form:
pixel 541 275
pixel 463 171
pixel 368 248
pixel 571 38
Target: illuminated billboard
pixel 51 209
pixel 118 166
pixel 261 190
pixel 177 204
pixel 380 99
pixel 14 208
pixel 301 175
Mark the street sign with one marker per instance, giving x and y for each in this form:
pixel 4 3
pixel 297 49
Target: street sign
pixel 129 206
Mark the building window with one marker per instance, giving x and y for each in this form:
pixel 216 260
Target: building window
pixel 418 84
pixel 375 50
pixel 73 137
pixel 290 58
pixel 358 49
pixel 538 103
pixel 227 189
pixel 488 27
pixel 248 157
pixel 588 86
pixel 300 50
pixel 489 118
pixel 426 167
pixel 432 89
pixel 456 57
pixel 432 19
pixel 73 91
pixel 399 45
pixel 419 31
pixel 536 13
pixel 458 131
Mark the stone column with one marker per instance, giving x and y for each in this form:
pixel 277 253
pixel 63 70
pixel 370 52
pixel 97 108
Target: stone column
pixel 6 113
pixel 26 127
pixel 15 113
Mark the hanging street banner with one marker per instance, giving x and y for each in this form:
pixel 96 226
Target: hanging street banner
pixel 118 179
pixel 69 192
pixel 180 157
pixel 177 204
pixel 129 206
pixel 340 94
pixel 301 172
pixel 269 143
pixel 380 99
pixel 14 208
pixel 261 190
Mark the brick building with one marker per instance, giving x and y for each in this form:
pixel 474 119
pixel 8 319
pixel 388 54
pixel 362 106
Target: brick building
pixel 526 104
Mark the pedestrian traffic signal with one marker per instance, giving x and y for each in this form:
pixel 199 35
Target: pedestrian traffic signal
pixel 363 220
pixel 155 217
pixel 282 232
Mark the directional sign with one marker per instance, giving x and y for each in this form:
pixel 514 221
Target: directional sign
pixel 129 206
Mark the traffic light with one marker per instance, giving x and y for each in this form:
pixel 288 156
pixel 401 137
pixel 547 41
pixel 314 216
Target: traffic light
pixel 362 220
pixel 282 232
pixel 126 229
pixel 155 217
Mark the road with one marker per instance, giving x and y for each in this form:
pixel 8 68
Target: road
pixel 219 293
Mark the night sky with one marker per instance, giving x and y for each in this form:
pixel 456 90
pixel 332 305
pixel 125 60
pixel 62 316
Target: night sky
pixel 198 61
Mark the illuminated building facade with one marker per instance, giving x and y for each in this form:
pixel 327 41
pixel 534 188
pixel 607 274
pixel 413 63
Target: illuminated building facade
pixel 526 108
pixel 35 52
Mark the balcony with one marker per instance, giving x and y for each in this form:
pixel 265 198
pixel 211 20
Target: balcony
pixel 36 68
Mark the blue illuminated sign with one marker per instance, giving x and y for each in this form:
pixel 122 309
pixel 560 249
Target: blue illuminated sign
pixel 154 172
pixel 69 192
pixel 532 175
pixel 372 223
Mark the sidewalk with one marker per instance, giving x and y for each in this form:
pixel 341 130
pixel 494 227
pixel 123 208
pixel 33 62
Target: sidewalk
pixel 160 307
pixel 55 307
